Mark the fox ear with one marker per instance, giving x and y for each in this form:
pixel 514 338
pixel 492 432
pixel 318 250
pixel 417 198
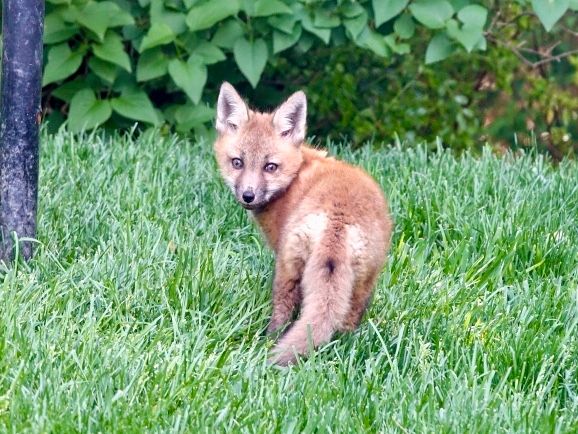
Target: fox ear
pixel 232 111
pixel 290 118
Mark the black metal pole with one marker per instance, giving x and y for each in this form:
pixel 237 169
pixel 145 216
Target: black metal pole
pixel 22 28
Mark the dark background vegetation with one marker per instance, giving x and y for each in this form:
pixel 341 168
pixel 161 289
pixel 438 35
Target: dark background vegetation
pixel 470 73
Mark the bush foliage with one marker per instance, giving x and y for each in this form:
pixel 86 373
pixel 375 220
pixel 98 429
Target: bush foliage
pixel 367 65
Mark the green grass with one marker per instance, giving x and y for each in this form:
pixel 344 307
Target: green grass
pixel 145 305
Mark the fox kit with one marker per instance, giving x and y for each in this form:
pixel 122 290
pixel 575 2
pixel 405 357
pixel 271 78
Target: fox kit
pixel 327 222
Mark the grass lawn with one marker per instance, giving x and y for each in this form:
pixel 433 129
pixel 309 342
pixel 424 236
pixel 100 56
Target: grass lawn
pixel 145 305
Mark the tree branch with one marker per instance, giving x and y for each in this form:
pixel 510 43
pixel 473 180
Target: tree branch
pixel 546 54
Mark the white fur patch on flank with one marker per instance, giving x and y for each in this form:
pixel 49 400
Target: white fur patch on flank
pixel 357 242
pixel 306 233
pixel 313 226
pixel 299 242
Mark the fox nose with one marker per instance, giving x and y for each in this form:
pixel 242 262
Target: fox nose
pixel 248 196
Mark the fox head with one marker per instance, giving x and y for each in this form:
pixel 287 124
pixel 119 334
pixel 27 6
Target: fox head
pixel 259 154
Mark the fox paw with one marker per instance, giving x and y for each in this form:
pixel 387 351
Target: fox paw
pixel 282 356
pixel 275 327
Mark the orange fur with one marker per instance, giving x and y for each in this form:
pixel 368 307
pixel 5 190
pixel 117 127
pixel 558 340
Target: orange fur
pixel 327 221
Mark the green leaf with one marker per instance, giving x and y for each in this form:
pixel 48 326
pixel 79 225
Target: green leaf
pixel 107 71
pixel 194 114
pixel 251 57
pixel 151 64
pixel 169 112
pixel 190 76
pixel 432 13
pixel 323 34
pixel 282 41
pixel 473 15
pixel 481 44
pixel 56 29
pixel 62 63
pixel 355 26
pixel 248 6
pixel 227 34
pixel 208 53
pixel 284 23
pixel 352 10
pixel 99 16
pixel 460 4
pixel 208 14
pixel 69 14
pixel 468 35
pixel 396 47
pixel 374 41
pixel 86 112
pixel 190 116
pixel 112 50
pixel 385 10
pixel 117 17
pixel 136 105
pixel 325 19
pixel 404 26
pixel 305 43
pixel 439 48
pixel 266 8
pixel 160 15
pixel 550 11
pixel 67 90
pixel 158 34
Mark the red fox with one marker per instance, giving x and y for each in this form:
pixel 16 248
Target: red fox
pixel 327 222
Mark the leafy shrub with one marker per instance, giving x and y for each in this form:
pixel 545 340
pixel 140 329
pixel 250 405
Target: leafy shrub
pixel 160 61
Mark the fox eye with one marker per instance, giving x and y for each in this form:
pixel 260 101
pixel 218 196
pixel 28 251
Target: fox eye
pixel 271 167
pixel 237 163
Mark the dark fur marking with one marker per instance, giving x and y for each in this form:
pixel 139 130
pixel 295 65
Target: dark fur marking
pixel 330 264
